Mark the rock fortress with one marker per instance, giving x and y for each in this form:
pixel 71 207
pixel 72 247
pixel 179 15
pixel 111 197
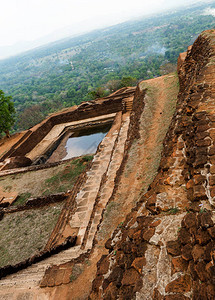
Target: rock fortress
pixel 114 198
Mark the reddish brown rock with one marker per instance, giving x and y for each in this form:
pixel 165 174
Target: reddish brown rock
pixel 201 292
pixel 202 236
pixel 108 244
pixel 51 281
pixel 210 288
pixel 211 231
pixel 103 265
pixel 192 271
pixel 204 220
pixel 211 150
pixel 199 192
pixel 212 134
pixel 155 223
pixel 197 252
pixel 97 282
pixel 180 285
pixel 126 247
pixel 213 256
pixel 150 204
pixel 200 269
pixel 212 159
pixel 202 143
pixel 111 292
pixel 186 252
pixel 138 264
pixel 17 162
pixel 126 292
pixel 194 207
pixel 202 135
pixel 137 235
pixel 173 247
pixel 211 117
pixel 199 151
pixel 116 275
pixel 44 281
pixel 212 180
pixel 208 250
pixel 199 179
pixel 184 236
pixel 210 269
pixel 147 234
pixel 131 232
pixel 189 220
pixel 139 249
pixel 66 277
pixel 144 221
pixel 179 264
pixel 130 277
pixel 176 297
pixel 212 191
pixel 190 184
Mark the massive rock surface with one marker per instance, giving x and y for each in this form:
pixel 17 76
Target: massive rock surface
pixel 165 248
pixel 164 245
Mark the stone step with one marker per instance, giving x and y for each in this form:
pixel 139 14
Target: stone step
pixel 107 188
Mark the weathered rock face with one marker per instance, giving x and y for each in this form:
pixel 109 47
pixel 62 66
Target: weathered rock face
pixel 165 248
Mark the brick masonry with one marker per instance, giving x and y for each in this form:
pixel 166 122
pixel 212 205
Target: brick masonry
pixel 165 248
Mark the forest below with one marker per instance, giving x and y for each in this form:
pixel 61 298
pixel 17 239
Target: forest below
pixel 77 69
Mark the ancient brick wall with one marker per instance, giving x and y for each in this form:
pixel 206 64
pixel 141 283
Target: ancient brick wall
pixel 86 110
pixel 165 248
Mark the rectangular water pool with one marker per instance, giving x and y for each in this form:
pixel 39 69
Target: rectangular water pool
pixel 85 141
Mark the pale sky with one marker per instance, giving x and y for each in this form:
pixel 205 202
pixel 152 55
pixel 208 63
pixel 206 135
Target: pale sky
pixel 28 20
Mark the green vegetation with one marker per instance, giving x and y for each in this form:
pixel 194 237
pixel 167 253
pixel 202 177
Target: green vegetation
pixel 76 271
pixel 48 181
pixel 112 206
pixel 23 234
pixel 173 210
pixel 64 180
pixel 203 210
pixel 77 69
pixel 7 113
pixel 22 198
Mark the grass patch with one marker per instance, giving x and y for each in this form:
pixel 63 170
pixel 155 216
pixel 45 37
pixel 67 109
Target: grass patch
pixel 46 181
pixel 23 234
pixel 64 180
pixel 76 271
pixel 110 208
pixel 21 199
pixel 173 211
pixel 203 210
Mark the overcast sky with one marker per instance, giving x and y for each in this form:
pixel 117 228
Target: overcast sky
pixel 28 20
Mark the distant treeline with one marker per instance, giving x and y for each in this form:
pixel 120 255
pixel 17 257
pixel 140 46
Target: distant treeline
pixel 70 71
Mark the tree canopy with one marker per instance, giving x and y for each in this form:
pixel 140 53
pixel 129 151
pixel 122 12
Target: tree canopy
pixel 7 113
pixel 95 64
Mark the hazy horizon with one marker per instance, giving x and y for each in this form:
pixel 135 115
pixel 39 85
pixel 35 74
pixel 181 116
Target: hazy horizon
pixel 25 25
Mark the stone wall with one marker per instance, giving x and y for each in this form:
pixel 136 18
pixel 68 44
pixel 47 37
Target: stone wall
pixel 99 107
pixel 165 247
